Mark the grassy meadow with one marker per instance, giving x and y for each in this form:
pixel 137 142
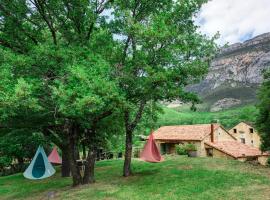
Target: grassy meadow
pixel 178 177
pixel 228 118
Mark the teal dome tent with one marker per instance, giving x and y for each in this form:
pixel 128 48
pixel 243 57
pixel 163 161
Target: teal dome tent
pixel 39 167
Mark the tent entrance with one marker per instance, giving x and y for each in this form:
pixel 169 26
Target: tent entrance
pixel 39 167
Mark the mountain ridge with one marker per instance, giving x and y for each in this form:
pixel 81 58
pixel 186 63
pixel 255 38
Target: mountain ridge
pixel 235 74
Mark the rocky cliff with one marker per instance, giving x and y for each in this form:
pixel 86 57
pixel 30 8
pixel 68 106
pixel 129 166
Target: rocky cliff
pixel 235 73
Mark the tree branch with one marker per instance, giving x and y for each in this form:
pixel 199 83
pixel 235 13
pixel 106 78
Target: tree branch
pixel 40 7
pixel 132 125
pixel 99 10
pixel 103 115
pixel 48 132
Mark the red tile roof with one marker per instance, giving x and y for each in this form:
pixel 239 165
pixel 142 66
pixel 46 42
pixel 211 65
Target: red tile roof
pixel 236 149
pixel 184 132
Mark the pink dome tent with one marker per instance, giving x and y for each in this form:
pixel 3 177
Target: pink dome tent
pixel 54 157
pixel 150 151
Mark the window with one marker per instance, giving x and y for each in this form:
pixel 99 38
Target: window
pixel 235 130
pixel 251 130
pixel 243 140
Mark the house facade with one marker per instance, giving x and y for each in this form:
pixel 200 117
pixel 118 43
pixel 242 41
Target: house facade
pixel 210 140
pixel 246 134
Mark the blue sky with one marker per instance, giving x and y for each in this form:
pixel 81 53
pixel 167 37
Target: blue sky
pixel 235 20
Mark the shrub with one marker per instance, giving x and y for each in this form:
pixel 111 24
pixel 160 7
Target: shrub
pixel 4 161
pixel 180 150
pixel 190 147
pixel 183 149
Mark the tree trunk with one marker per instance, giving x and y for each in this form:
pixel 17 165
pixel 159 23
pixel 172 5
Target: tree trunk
pixel 90 166
pixel 128 154
pixel 73 154
pixel 130 127
pixel 77 152
pixel 75 171
pixel 76 176
pixel 65 168
pixel 20 164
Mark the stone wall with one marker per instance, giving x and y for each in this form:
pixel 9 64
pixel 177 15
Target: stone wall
pixel 243 131
pixel 219 135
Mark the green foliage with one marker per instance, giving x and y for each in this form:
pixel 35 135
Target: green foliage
pixel 190 147
pixel 263 118
pixel 183 149
pixel 5 161
pixel 90 89
pixel 164 55
pixel 180 150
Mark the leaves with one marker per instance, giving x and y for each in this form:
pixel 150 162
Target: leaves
pixel 263 118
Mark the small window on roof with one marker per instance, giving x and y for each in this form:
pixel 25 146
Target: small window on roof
pixel 235 130
pixel 251 130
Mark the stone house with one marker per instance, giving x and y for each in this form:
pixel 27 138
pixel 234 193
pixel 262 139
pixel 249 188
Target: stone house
pixel 210 140
pixel 246 134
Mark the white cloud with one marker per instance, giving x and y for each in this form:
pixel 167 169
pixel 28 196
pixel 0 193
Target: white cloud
pixel 235 20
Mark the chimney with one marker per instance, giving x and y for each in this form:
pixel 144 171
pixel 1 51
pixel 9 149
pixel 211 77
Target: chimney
pixel 212 133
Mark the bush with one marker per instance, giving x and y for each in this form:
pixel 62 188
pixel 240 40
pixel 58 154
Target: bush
pixel 180 150
pixel 4 162
pixel 268 162
pixel 190 147
pixel 183 149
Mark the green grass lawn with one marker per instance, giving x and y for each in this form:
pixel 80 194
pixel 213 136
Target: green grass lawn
pixel 227 118
pixel 177 177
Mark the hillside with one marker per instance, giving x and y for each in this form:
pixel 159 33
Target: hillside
pixel 227 118
pixel 235 74
pixel 178 177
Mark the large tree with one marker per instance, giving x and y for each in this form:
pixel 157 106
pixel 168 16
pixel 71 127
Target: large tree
pixel 263 118
pixel 54 72
pixel 160 52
